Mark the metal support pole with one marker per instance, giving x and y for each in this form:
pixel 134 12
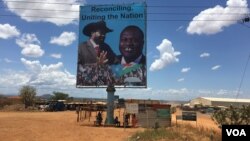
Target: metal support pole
pixel 110 105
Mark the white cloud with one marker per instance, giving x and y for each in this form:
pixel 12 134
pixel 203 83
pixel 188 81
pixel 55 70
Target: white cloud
pixel 57 56
pixel 65 12
pixel 181 79
pixel 46 78
pixel 10 78
pixel 205 92
pixel 33 66
pixel 7 60
pixel 213 20
pixel 213 93
pixel 205 54
pixel 179 28
pixel 8 31
pixel 215 67
pixel 167 55
pixel 222 92
pixel 65 39
pixel 162 94
pixel 30 45
pixel 185 70
pixel 178 91
pixel 48 75
pixel 216 93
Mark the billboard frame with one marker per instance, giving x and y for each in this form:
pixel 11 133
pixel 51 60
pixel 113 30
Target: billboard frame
pixel 144 21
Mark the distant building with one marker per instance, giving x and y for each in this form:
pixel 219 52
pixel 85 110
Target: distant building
pixel 224 102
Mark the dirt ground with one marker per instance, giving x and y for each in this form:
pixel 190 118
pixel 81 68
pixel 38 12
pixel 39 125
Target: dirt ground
pixel 62 126
pixel 56 126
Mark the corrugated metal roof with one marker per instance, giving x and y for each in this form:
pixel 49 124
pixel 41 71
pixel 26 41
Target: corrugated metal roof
pixel 227 99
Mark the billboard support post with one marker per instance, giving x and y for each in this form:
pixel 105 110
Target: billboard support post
pixel 110 105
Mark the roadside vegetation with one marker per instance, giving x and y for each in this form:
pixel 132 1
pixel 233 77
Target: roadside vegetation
pixel 27 100
pixel 4 101
pixel 179 133
pixel 232 116
pixel 28 95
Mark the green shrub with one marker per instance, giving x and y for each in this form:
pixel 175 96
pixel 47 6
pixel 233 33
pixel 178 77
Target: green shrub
pixel 232 115
pixel 182 132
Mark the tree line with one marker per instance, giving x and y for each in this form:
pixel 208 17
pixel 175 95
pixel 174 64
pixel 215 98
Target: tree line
pixel 28 95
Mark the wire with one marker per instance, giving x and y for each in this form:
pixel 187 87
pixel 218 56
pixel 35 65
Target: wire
pixel 174 13
pixel 242 78
pixel 149 13
pixel 170 20
pixel 40 2
pixel 41 9
pixel 161 13
pixel 190 6
pixel 39 17
pixel 158 6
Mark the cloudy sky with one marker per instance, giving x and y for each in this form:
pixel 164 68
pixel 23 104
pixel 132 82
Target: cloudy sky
pixel 194 48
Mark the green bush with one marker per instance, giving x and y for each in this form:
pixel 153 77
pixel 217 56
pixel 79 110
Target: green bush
pixel 232 115
pixel 182 132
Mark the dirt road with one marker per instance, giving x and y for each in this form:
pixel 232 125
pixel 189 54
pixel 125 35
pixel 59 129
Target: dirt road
pixel 62 126
pixel 55 126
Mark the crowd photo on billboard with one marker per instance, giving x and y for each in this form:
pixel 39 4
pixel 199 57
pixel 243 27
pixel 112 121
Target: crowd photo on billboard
pixel 112 49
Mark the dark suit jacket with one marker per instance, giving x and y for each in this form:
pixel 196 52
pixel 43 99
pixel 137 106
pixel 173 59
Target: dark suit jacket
pixel 86 53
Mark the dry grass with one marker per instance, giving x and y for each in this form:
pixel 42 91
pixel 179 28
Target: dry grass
pixel 184 132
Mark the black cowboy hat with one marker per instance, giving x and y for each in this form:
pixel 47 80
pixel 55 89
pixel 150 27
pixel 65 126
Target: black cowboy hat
pixel 92 27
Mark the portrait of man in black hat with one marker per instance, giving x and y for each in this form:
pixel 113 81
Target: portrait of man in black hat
pixel 94 55
pixel 95 50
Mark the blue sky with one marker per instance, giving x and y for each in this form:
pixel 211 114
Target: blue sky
pixel 194 48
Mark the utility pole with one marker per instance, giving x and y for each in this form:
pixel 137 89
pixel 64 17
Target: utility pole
pixel 246 19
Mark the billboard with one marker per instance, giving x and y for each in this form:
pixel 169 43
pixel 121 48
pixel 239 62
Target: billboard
pixel 112 46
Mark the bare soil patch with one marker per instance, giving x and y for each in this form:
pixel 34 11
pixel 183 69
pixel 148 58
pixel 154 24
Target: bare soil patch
pixel 55 126
pixel 62 126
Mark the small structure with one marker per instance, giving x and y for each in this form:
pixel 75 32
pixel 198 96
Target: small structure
pixel 152 115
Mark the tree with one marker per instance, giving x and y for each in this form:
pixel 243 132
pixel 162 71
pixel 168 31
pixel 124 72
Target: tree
pixel 233 116
pixel 60 96
pixel 28 95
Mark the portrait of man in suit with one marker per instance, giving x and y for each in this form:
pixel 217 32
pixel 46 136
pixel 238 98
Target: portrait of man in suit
pixel 132 62
pixel 94 55
pixel 95 50
pixel 131 46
